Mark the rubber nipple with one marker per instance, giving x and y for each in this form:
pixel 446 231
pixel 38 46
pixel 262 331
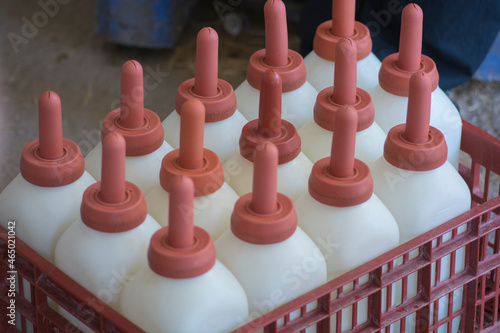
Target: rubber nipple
pixel 416 146
pixel 51 160
pixel 113 204
pixel 276 55
pixel 397 68
pixel 264 216
pixel 191 159
pixel 342 25
pixel 269 126
pixel 181 250
pixel 341 180
pixel 216 94
pixel 132 95
pixel 344 91
pixel 140 127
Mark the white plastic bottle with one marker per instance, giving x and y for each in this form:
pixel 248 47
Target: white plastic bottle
pixel 294 167
pixel 390 96
pixel 44 199
pixel 419 186
pixel 141 129
pixel 223 122
pixel 107 245
pixel 320 62
pixel 298 94
pixel 264 248
pixel 316 133
pixel 184 288
pixel 214 199
pixel 341 214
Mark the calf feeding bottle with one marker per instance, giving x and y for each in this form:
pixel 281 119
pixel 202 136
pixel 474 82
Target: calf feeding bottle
pixel 44 199
pixel 184 288
pixel 141 129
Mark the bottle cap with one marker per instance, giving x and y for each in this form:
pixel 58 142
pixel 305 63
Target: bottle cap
pixel 264 216
pixel 216 94
pixel 341 180
pixel 181 250
pixel 113 204
pixel 269 126
pixel 289 64
pixel 344 91
pixel 191 159
pixel 416 146
pixel 140 127
pixel 51 160
pixel 342 24
pixel 397 68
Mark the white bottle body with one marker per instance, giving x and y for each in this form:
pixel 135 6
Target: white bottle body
pixel 211 212
pixel 273 274
pixel 212 302
pixel 390 110
pixel 421 201
pixel 293 176
pixel 317 142
pixel 348 237
pixel 42 214
pixel 221 137
pixel 296 105
pixel 143 171
pixel 104 262
pixel 320 72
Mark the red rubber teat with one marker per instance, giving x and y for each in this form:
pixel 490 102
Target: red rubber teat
pixel 191 159
pixel 180 214
pixel 276 33
pixel 343 143
pixel 207 62
pixel 343 12
pixel 181 250
pixel 416 146
pixel 344 82
pixel 341 180
pixel 51 160
pixel 344 91
pixel 132 95
pixel 410 40
pixel 269 126
pixel 264 216
pixel 419 109
pixel 191 135
pixel 216 94
pixel 276 55
pixel 265 179
pixel 113 204
pixel 113 169
pixel 397 68
pixel 140 127
pixel 50 126
pixel 329 33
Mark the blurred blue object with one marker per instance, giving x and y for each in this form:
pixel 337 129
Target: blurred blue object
pixel 490 67
pixel 142 23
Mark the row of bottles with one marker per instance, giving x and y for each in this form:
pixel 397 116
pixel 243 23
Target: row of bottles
pixel 270 201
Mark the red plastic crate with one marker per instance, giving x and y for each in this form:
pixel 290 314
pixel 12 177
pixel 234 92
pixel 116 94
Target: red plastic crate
pixel 480 280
